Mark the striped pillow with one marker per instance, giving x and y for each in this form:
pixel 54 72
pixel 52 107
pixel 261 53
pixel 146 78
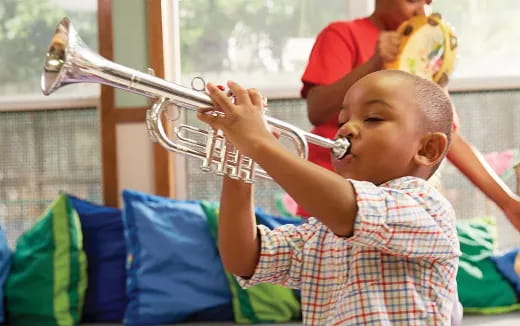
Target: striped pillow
pixel 262 303
pixel 47 281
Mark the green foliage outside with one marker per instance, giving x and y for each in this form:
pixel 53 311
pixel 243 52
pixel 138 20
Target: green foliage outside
pixel 26 28
pixel 208 24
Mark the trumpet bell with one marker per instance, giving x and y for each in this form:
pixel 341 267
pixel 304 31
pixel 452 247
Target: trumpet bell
pixel 56 57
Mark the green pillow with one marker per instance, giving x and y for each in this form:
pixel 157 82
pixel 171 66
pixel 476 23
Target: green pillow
pixel 481 286
pixel 262 303
pixel 47 281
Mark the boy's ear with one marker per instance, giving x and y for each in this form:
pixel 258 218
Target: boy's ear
pixel 433 149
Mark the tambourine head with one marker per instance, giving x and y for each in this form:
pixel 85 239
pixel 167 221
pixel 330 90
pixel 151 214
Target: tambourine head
pixel 428 48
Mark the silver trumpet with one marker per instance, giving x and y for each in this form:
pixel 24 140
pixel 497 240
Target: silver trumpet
pixel 69 60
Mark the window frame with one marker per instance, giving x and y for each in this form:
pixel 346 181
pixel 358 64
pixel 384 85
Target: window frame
pixel 36 102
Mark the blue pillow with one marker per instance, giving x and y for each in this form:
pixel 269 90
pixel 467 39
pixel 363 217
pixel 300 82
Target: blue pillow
pixel 505 264
pixel 173 266
pixel 105 248
pixel 272 221
pixel 5 265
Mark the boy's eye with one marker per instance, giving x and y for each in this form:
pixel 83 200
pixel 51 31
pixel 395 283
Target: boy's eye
pixel 373 119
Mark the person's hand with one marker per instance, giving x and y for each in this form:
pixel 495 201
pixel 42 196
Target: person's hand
pixel 242 122
pixel 387 48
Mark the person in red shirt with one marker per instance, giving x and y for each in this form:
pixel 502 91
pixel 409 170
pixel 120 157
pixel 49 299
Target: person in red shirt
pixel 346 51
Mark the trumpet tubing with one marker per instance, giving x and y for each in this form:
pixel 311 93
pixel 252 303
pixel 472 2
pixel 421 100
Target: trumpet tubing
pixel 69 60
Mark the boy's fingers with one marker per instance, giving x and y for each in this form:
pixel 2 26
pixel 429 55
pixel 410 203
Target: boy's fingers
pixel 395 40
pixel 208 109
pixel 255 97
pixel 241 94
pixel 210 119
pixel 275 132
pixel 218 97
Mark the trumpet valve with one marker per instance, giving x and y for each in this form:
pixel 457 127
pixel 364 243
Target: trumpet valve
pixel 227 160
pixel 222 158
pixel 247 169
pixel 211 141
pixel 233 167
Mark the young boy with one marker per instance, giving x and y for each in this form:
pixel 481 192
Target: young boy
pixel 382 248
pixel 344 52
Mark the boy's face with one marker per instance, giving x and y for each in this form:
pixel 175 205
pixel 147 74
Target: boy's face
pixel 381 120
pixel 398 11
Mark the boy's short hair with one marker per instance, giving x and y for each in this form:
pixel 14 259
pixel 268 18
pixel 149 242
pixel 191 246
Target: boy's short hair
pixel 435 105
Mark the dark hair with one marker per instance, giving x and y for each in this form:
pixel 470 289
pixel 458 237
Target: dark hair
pixel 435 105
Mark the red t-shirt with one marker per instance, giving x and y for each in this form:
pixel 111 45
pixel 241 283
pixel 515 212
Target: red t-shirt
pixel 339 48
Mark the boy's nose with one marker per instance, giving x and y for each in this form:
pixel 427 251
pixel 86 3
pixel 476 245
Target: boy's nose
pixel 349 130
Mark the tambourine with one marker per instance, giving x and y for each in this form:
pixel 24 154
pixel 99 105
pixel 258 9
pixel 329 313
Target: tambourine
pixel 428 48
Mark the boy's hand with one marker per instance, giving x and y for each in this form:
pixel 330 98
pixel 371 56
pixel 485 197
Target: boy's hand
pixel 242 122
pixel 387 48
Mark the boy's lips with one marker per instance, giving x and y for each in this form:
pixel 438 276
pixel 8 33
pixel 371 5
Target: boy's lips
pixel 349 151
pixel 348 155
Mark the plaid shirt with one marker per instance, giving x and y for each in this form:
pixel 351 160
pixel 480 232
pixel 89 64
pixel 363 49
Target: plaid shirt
pixel 398 267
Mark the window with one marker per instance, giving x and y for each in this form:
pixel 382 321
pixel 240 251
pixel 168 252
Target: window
pixel 487 34
pixel 26 28
pixel 267 41
pixel 47 147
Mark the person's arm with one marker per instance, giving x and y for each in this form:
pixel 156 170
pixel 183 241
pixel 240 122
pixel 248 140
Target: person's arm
pixel 324 101
pixel 471 163
pixel 238 241
pixel 323 193
pixel 517 173
pixel 255 253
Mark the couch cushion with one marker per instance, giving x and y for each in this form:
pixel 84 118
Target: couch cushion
pixel 5 265
pixel 104 244
pixel 174 271
pixel 505 263
pixel 482 288
pixel 262 303
pixel 48 277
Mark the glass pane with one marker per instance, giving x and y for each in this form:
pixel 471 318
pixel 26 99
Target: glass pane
pixel 26 28
pixel 487 34
pixel 45 152
pixel 264 43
